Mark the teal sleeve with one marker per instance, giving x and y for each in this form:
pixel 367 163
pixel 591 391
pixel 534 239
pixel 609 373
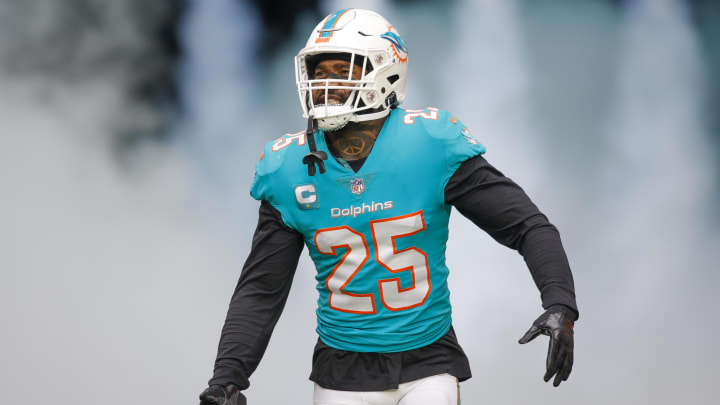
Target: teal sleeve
pixel 460 145
pixel 268 183
pixel 261 188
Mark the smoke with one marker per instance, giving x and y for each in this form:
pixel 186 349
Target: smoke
pixel 105 249
pixel 658 144
pixel 125 218
pixel 598 117
pixel 661 175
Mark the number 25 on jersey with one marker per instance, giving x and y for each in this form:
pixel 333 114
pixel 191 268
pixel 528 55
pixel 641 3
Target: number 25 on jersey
pixel 384 234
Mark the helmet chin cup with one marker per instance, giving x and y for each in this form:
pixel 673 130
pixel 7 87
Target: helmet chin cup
pixel 331 117
pixel 333 123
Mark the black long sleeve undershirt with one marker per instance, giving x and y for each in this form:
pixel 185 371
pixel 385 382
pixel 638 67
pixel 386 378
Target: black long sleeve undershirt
pixel 477 190
pixel 501 208
pixel 259 298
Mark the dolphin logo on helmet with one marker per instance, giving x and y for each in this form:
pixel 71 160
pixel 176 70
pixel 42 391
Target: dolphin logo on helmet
pixel 395 39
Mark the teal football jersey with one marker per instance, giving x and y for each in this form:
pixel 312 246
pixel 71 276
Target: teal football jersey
pixel 378 236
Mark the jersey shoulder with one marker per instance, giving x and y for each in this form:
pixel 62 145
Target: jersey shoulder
pixel 433 121
pixel 443 127
pixel 276 154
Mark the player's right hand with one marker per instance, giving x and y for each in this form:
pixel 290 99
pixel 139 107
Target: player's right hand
pixel 219 395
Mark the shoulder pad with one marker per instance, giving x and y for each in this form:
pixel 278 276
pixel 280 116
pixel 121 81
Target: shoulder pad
pixel 436 122
pixel 275 151
pixel 271 160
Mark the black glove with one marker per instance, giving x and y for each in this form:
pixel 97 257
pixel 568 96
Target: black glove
pixel 219 395
pixel 556 322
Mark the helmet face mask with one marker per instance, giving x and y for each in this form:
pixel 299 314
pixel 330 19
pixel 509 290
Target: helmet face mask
pixel 365 39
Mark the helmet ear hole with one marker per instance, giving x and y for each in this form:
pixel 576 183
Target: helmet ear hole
pixel 392 79
pixel 382 90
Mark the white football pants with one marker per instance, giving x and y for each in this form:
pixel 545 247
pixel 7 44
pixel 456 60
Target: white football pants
pixel 440 389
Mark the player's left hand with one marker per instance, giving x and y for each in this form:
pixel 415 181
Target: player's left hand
pixel 219 395
pixel 556 322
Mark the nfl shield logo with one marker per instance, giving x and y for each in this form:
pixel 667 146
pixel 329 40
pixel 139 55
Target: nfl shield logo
pixel 357 186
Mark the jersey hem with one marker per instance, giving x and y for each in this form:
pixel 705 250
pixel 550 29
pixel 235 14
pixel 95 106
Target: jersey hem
pixel 386 349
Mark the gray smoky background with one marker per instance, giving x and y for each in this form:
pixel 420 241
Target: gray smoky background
pixel 128 135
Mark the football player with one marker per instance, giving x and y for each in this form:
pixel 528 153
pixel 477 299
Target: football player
pixel 368 189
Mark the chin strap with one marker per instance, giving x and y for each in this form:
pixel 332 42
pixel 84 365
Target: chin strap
pixel 315 157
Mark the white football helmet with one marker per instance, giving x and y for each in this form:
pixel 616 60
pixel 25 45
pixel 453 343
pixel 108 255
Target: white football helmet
pixel 363 38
